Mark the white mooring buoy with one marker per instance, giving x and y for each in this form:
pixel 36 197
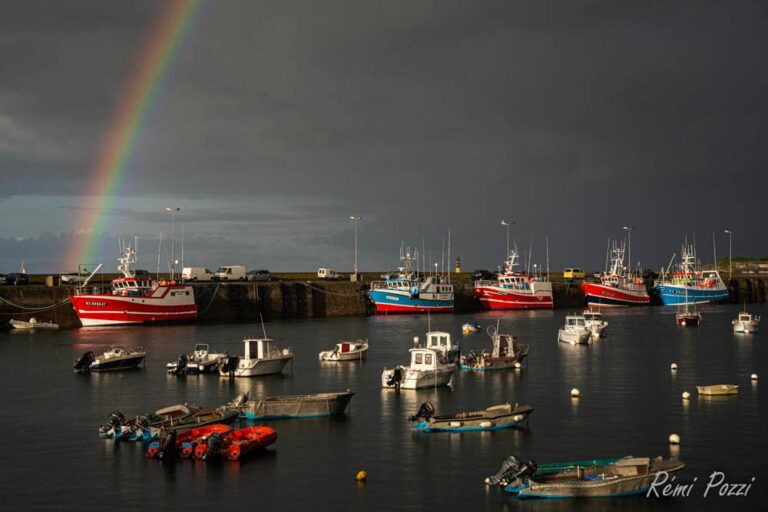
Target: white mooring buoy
pixel 753 376
pixel 575 393
pixel 674 439
pixel 518 366
pixel 673 366
pixel 686 395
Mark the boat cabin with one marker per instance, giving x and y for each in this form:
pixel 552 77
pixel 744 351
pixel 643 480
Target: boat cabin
pixel 201 349
pixel 575 321
pixel 260 348
pixel 439 340
pixel 131 286
pixel 504 345
pixel 593 316
pixel 424 359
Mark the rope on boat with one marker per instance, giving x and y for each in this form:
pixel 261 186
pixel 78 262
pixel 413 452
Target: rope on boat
pixel 215 291
pixel 341 294
pixel 35 309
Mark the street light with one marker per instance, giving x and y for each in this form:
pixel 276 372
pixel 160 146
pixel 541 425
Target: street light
pixel 507 224
pixel 729 232
pixel 173 211
pixel 629 229
pixel 355 219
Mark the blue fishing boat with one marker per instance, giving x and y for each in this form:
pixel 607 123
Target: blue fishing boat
pixel 409 292
pixel 689 285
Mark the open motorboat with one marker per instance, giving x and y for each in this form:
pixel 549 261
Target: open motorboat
pixel 295 406
pixel 623 477
pixel 183 445
pixel 506 353
pixel 495 417
pixel 201 360
pixel 575 331
pixel 261 357
pixel 746 323
pixel 138 428
pixel 718 390
pixel 595 323
pixel 428 369
pixel 440 342
pixel 118 357
pixel 200 418
pixel 346 351
pixel 32 324
pixel 470 327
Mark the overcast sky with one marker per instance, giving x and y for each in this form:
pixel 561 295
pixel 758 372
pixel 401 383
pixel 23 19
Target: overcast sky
pixel 278 120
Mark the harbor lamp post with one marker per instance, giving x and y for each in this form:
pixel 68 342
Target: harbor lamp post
pixel 729 232
pixel 173 211
pixel 629 229
pixel 355 220
pixel 507 224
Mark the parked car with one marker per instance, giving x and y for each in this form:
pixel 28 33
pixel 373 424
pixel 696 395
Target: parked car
pixel 230 273
pixel 483 275
pixel 573 273
pixel 17 278
pixel 72 278
pixel 196 274
pixel 327 273
pixel 258 275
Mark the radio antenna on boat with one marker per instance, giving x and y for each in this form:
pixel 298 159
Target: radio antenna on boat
pixel 159 250
pixel 449 255
pixel 263 329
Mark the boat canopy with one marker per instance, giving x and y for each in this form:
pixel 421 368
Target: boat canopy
pixel 260 348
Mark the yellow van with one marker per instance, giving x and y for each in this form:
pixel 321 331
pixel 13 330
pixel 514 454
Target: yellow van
pixel 573 273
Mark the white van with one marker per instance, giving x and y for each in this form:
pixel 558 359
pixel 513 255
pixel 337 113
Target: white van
pixel 196 274
pixel 230 273
pixel 327 273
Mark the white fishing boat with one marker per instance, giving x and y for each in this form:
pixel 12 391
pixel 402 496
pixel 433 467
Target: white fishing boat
pixel 595 323
pixel 261 357
pixel 428 369
pixel 746 323
pixel 346 351
pixel 201 360
pixel 575 331
pixel 32 324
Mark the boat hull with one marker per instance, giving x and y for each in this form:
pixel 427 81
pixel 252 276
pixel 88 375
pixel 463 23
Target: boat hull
pixel 126 363
pixel 419 379
pixel 256 368
pixel 296 407
pixel 602 295
pixel 672 295
pixel 496 418
pixel 493 297
pixel 389 302
pixel 174 304
pixel 574 337
pixel 745 327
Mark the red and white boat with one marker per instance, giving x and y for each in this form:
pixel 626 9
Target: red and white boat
pixel 514 290
pixel 617 286
pixel 135 300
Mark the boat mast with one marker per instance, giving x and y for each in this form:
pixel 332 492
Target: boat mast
pixel 546 241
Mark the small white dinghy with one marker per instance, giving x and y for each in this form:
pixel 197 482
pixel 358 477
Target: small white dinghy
pixel 575 331
pixel 718 390
pixel 32 324
pixel 346 351
pixel 746 323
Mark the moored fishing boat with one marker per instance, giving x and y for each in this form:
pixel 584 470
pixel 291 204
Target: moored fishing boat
pixel 718 390
pixel 514 290
pixel 428 369
pixel 134 300
pixel 346 351
pixel 32 324
pixel 506 352
pixel 575 331
pixel 410 291
pixel 237 444
pixel 261 357
pixel 746 323
pixel 618 286
pixel 496 417
pixel 440 342
pixel 296 406
pixel 595 323
pixel 688 284
pixel 623 477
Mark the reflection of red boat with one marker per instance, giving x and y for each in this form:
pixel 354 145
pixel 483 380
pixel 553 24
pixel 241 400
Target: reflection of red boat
pixel 237 444
pixel 186 442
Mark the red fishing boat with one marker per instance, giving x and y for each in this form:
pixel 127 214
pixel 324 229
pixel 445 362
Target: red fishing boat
pixel 184 444
pixel 134 300
pixel 235 445
pixel 617 286
pixel 514 290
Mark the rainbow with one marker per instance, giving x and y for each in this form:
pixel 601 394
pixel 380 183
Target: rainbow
pixel 131 114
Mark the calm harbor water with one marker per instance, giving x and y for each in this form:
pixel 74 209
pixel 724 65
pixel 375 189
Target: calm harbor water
pixel 630 403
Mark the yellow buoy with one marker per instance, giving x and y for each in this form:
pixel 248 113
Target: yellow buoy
pixel 686 395
pixel 575 393
pixel 361 476
pixel 673 366
pixel 674 439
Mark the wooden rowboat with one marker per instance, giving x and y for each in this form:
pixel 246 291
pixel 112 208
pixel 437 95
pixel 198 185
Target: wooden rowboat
pixel 718 390
pixel 296 406
pixel 496 417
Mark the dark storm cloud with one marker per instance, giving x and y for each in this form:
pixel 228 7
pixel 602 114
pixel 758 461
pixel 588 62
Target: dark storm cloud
pixel 572 118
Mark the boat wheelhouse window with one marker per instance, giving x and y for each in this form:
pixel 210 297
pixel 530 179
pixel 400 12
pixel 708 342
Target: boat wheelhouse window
pixel 417 359
pixel 443 341
pixel 428 358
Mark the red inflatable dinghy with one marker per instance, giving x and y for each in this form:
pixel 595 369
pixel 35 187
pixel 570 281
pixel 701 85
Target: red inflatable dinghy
pixel 236 445
pixel 186 442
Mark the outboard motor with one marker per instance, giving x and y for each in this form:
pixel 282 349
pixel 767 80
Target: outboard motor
pixel 115 421
pixel 214 443
pixel 238 401
pixel 397 378
pixel 469 359
pixel 181 365
pixel 83 364
pixel 511 470
pixel 230 365
pixel 169 448
pixel 426 411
